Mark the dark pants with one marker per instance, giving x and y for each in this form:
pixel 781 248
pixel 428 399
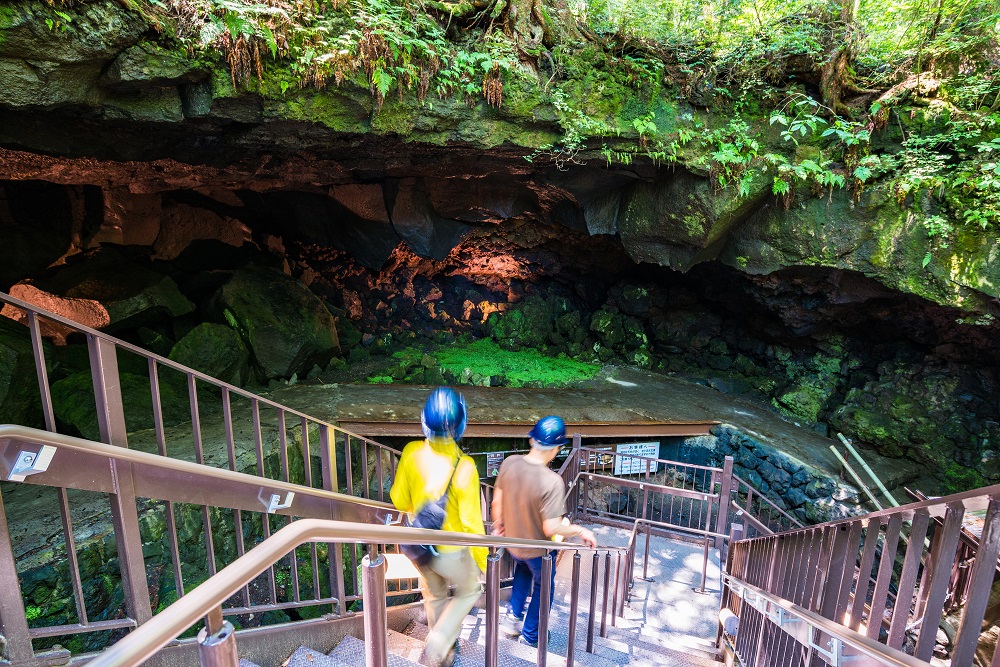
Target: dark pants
pixel 528 577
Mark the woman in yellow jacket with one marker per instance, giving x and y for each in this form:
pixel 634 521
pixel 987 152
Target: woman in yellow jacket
pixel 422 476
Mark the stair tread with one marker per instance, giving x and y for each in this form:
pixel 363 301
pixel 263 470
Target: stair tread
pixel 306 657
pixel 350 652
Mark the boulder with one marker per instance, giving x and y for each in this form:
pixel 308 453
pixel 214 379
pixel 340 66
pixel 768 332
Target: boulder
pixel 216 350
pixel 46 59
pixel 287 328
pixel 130 293
pixel 150 65
pixel 88 312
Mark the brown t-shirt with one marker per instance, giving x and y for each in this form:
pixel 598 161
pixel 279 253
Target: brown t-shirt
pixel 531 494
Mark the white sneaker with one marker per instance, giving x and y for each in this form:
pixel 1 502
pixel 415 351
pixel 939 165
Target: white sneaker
pixel 511 625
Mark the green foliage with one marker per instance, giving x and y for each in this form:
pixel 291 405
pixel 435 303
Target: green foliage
pixel 521 368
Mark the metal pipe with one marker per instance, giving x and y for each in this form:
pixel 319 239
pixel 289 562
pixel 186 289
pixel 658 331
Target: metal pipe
pixel 856 478
pixel 175 619
pixel 591 617
pixel 871 648
pixel 645 558
pixel 543 609
pixel 218 649
pixel 607 589
pixel 704 567
pixel 574 607
pixel 376 621
pixel 614 598
pixel 204 472
pixel 492 607
pixel 867 469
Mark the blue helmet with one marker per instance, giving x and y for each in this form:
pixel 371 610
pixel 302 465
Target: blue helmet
pixel 549 432
pixel 444 414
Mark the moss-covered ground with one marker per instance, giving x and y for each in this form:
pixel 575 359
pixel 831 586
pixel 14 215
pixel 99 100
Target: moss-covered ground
pixel 483 362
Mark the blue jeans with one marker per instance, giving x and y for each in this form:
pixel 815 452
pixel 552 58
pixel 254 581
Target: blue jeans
pixel 528 576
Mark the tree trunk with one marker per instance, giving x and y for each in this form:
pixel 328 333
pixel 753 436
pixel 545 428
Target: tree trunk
pixel 834 73
pixel 542 23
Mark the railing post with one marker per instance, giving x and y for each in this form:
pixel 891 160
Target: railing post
pixel 543 609
pixel 574 607
pixel 217 642
pixel 376 622
pixel 335 552
pixel 618 578
pixel 645 556
pixel 574 473
pixel 125 516
pixel 724 499
pixel 607 590
pixel 492 607
pixel 592 616
pixel 704 566
pixel 13 622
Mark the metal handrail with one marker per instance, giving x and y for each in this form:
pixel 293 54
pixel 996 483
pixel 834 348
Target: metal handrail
pixel 60 441
pixel 793 522
pixel 607 452
pixel 864 645
pixel 977 499
pixel 148 638
pixel 164 361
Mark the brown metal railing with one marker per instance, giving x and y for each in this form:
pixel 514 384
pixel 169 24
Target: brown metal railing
pixel 260 436
pixel 844 571
pixel 205 600
pixel 759 513
pixel 260 466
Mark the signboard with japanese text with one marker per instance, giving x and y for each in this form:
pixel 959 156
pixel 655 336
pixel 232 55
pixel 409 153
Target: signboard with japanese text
pixel 625 465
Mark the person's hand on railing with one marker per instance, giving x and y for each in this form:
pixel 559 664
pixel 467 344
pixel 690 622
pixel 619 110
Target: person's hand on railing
pixel 588 537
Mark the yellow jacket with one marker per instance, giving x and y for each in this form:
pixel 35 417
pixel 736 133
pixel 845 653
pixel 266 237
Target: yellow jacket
pixel 423 471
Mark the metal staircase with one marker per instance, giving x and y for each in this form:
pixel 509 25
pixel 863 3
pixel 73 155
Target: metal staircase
pixel 802 595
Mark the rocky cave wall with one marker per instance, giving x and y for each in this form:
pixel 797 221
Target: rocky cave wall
pixel 827 348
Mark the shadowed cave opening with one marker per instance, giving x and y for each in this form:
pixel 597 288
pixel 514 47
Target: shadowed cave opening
pixel 426 275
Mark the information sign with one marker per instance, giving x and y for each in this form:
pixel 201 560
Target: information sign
pixel 493 461
pixel 625 465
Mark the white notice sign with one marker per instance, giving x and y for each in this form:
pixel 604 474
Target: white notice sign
pixel 624 465
pixel 493 461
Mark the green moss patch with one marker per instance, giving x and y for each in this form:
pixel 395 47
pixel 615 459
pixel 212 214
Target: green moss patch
pixel 483 362
pixel 521 368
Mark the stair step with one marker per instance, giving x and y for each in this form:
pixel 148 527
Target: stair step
pixel 693 646
pixel 472 653
pixel 350 652
pixel 306 657
pixel 513 654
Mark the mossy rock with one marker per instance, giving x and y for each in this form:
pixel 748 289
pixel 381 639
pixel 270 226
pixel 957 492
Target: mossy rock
pixel 287 328
pixel 215 350
pixel 876 237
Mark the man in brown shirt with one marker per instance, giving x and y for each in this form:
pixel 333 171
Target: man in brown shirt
pixel 529 502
